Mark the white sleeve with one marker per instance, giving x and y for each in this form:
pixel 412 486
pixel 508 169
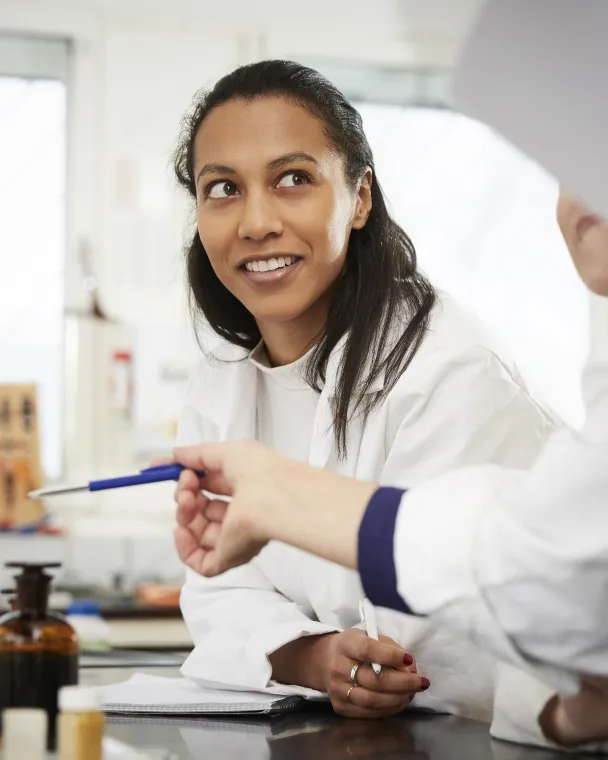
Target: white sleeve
pixel 237 619
pixel 510 558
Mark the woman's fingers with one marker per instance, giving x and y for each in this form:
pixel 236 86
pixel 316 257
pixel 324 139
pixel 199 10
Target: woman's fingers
pixel 355 706
pixel 210 535
pixel 188 481
pixel 378 701
pixel 189 550
pixel 390 681
pixel 363 648
pixel 215 510
pixel 189 505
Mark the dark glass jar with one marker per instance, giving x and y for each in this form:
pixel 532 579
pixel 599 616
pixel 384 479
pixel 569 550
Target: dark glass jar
pixel 38 650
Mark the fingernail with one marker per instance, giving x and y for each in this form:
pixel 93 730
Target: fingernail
pixel 424 683
pixel 408 659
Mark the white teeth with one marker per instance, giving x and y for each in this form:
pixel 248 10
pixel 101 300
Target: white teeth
pixel 269 265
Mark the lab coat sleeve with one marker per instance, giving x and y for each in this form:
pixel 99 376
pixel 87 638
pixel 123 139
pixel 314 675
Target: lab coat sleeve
pixel 239 618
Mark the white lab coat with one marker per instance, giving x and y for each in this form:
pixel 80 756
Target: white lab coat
pixel 521 563
pixel 460 402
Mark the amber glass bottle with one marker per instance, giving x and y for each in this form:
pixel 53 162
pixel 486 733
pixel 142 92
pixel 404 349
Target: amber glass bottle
pixel 38 650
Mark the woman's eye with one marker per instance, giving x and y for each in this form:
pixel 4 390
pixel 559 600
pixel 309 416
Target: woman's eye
pixel 221 189
pixel 293 179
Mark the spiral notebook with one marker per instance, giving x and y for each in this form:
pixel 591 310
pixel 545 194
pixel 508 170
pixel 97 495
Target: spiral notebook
pixel 154 695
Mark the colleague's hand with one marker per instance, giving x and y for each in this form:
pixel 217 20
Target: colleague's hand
pixel 581 719
pixel 586 236
pixel 270 498
pixel 373 696
pixel 209 537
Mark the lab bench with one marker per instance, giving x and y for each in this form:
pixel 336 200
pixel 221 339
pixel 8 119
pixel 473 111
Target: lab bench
pixel 314 731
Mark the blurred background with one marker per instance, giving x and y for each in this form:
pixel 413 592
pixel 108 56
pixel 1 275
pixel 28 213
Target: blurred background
pixel 93 322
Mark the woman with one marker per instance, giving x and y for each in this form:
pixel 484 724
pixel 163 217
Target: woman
pixel 337 351
pixel 522 572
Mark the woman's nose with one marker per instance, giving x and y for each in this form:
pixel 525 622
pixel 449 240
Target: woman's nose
pixel 260 218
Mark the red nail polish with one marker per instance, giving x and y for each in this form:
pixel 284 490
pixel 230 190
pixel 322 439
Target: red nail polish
pixel 424 683
pixel 408 659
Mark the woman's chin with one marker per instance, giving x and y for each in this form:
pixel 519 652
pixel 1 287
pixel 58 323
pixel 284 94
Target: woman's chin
pixel 276 316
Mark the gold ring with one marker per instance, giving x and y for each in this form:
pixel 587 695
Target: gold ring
pixel 349 691
pixel 353 674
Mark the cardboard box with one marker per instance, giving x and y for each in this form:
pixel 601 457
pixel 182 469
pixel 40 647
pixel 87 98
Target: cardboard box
pixel 20 469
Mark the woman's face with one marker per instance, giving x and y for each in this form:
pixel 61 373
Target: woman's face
pixel 586 236
pixel 274 210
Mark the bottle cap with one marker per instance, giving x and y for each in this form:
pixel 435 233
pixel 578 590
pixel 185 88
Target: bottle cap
pixel 79 699
pixel 24 733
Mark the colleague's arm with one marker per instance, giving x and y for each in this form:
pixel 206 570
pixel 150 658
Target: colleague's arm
pixel 528 552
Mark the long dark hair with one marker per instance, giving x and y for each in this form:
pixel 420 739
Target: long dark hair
pixel 380 289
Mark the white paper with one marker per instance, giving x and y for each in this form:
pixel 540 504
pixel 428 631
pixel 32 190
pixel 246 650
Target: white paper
pixel 537 71
pixel 156 695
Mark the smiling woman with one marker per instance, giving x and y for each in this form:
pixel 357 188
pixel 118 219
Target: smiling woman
pixel 280 168
pixel 336 351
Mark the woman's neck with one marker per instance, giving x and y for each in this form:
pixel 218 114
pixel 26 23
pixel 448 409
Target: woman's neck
pixel 286 342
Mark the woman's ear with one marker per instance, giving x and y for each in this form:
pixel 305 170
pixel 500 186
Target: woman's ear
pixel 363 206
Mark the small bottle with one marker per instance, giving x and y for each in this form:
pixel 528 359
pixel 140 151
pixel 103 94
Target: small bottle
pixel 24 735
pixel 38 650
pixel 80 725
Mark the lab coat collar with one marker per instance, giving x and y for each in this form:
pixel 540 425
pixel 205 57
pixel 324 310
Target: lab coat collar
pixel 225 351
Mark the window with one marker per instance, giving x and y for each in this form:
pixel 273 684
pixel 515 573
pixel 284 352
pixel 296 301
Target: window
pixel 482 218
pixel 32 234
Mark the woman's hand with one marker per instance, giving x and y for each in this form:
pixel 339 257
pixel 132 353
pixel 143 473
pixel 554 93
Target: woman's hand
pixel 373 696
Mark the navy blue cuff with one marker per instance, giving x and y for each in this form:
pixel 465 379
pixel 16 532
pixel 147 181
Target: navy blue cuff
pixel 376 550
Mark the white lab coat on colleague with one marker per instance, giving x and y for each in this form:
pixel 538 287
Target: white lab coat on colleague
pixel 521 563
pixel 460 402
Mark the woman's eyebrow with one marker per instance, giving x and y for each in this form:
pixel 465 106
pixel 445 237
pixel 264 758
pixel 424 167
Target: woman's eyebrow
pixel 276 163
pixel 214 169
pixel 290 158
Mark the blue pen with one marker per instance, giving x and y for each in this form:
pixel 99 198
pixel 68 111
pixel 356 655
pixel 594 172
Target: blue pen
pixel 157 474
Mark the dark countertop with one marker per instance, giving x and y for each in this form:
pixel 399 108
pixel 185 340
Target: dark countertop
pixel 313 733
pixel 317 734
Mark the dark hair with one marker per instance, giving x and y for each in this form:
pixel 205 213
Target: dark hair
pixel 380 287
